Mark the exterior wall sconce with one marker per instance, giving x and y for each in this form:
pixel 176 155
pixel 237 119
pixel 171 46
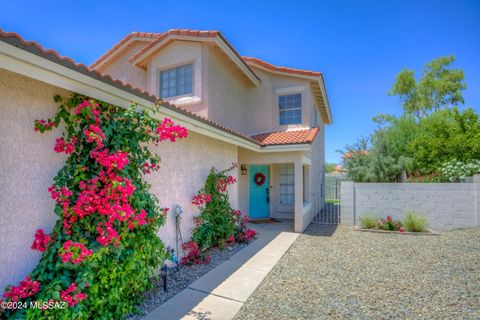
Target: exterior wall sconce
pixel 243 168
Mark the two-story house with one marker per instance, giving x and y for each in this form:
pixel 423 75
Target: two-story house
pixel 283 109
pixel 270 120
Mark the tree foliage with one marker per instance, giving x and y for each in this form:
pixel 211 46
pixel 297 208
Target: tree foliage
pixel 430 132
pixel 439 87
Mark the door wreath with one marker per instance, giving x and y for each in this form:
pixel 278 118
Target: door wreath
pixel 259 179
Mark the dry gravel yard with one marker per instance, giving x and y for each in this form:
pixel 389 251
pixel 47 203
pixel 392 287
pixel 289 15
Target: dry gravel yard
pixel 363 275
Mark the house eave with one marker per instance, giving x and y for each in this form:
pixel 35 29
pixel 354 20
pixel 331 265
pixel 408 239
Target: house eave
pixel 141 60
pixel 22 62
pixel 318 88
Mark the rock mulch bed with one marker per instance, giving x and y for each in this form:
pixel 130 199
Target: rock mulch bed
pixel 329 274
pixel 179 280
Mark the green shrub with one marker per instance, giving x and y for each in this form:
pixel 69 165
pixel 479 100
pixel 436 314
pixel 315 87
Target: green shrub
pixel 415 222
pixel 369 221
pixel 389 224
pixel 216 223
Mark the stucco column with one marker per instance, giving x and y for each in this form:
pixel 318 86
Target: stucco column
pixel 476 217
pixel 347 198
pixel 298 195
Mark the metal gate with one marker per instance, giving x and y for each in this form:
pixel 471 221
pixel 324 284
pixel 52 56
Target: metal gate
pixel 330 211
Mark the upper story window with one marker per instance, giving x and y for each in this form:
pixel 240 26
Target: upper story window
pixel 290 107
pixel 176 81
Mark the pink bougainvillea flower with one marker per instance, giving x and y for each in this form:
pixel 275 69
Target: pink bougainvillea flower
pixel 107 234
pixel 149 168
pixel 116 160
pixel 25 289
pixel 62 146
pixel 71 295
pixel 389 218
pixel 167 130
pixel 41 241
pixel 250 233
pixel 94 134
pixel 194 255
pixel 200 199
pixel 402 229
pixel 74 252
pixel 61 194
pixel 246 219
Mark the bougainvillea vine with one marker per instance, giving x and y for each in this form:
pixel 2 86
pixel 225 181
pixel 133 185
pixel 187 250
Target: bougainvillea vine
pixel 103 249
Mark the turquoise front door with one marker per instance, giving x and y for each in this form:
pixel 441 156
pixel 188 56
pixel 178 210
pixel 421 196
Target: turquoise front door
pixel 259 195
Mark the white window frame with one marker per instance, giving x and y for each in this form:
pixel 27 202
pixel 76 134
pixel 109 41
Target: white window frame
pixel 286 173
pixel 171 67
pixel 287 91
pixel 297 108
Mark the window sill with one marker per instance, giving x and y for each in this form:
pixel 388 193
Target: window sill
pixel 184 100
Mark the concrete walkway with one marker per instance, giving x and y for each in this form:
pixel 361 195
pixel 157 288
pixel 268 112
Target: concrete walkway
pixel 221 293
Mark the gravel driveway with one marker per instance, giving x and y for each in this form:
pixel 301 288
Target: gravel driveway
pixel 351 274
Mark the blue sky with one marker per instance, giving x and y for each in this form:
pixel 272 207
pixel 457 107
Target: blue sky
pixel 359 45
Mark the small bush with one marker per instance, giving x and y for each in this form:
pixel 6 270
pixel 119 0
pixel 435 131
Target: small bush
pixel 389 224
pixel 369 221
pixel 415 222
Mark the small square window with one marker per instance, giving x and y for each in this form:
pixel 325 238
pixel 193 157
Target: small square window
pixel 176 81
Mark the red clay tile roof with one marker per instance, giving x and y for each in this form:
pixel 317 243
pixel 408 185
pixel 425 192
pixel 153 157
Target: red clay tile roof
pixel 287 137
pixel 191 33
pixel 32 47
pixel 281 69
pixel 112 50
pixel 178 32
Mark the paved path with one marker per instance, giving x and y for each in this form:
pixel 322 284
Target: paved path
pixel 222 292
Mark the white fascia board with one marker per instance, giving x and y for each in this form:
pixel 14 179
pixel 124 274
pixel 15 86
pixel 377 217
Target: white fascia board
pixel 288 148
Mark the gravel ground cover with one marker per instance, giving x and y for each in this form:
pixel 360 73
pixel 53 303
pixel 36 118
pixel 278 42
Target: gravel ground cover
pixel 338 274
pixel 179 280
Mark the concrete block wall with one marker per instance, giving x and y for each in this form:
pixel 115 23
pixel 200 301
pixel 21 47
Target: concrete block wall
pixel 446 205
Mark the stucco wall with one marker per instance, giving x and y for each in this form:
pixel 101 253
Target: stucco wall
pixel 227 92
pixel 184 168
pixel 262 102
pixel 28 165
pixel 121 69
pixel 175 54
pixel 446 205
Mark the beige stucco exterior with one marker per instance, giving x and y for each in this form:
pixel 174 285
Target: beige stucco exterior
pixel 220 93
pixel 119 68
pixel 28 165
